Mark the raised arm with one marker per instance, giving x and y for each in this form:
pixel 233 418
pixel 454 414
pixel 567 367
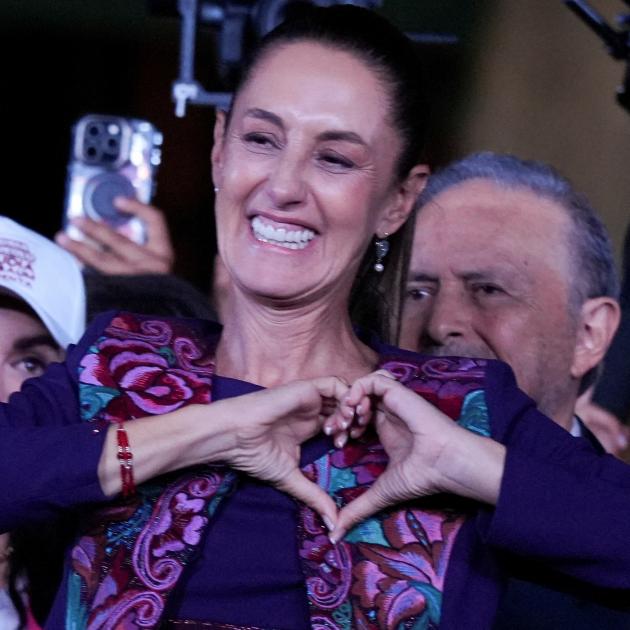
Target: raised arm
pixel 52 461
pixel 555 499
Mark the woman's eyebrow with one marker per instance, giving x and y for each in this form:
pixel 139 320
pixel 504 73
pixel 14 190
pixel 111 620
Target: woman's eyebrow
pixel 263 114
pixel 344 136
pixel 27 343
pixel 331 135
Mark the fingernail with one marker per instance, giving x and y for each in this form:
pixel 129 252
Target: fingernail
pixel 355 433
pixel 333 539
pixel 329 524
pixel 340 441
pixel 328 430
pixel 622 441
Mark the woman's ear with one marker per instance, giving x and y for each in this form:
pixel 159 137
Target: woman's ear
pixel 217 147
pixel 597 326
pixel 404 200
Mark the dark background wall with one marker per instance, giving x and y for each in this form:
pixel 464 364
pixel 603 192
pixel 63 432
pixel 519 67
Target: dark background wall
pixel 525 77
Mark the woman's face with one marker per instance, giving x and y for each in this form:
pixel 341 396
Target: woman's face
pixel 305 173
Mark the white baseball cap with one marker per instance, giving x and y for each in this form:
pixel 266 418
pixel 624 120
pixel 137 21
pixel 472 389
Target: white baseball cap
pixel 46 277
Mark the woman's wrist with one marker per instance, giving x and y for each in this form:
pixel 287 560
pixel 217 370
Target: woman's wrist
pixel 471 466
pixel 197 434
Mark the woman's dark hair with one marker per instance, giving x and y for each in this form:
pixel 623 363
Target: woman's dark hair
pixel 376 299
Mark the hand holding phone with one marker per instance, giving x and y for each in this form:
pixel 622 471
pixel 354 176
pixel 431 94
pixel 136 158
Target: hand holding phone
pixel 111 156
pixel 107 251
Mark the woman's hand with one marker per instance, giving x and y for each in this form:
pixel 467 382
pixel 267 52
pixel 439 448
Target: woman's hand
pixel 110 252
pixel 428 452
pixel 269 430
pixel 259 433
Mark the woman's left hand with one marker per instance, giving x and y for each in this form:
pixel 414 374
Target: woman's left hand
pixel 428 452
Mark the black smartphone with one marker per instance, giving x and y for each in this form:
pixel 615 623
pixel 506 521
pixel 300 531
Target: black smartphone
pixel 111 156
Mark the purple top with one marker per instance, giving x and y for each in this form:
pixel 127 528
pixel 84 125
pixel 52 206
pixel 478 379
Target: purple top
pixel 557 497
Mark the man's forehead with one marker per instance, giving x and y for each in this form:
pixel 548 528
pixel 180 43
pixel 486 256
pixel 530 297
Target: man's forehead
pixel 487 198
pixel 491 225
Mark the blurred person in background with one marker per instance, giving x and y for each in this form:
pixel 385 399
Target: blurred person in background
pixel 42 311
pixel 605 406
pixel 510 262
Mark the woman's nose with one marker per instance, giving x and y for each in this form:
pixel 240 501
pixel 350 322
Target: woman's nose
pixel 286 184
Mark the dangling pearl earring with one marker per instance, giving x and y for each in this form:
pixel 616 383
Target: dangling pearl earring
pixel 382 247
pixel 216 190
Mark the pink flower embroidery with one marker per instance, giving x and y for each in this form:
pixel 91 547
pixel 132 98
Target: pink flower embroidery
pixel 406 579
pixel 180 526
pixel 387 582
pixel 148 383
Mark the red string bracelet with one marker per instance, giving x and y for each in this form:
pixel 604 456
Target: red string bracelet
pixel 125 459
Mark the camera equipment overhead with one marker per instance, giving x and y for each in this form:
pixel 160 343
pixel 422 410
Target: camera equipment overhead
pixel 237 21
pixel 239 24
pixel 617 41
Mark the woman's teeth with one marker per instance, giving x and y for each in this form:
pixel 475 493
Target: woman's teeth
pixel 291 239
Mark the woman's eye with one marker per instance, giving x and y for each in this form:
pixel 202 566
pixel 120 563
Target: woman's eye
pixel 335 160
pixel 31 365
pixel 260 140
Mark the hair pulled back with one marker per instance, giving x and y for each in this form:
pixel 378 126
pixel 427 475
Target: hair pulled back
pixel 376 300
pixel 380 45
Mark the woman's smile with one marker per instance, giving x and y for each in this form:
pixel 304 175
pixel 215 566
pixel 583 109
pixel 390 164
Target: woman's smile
pixel 303 172
pixel 281 234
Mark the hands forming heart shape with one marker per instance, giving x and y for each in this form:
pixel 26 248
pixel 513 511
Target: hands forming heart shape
pixel 428 452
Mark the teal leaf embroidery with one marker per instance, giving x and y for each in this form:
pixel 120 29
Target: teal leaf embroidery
pixel 368 531
pixel 343 616
pixel 94 398
pixel 474 415
pixel 76 617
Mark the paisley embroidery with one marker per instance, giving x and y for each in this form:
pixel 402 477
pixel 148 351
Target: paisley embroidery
pixel 443 381
pixel 132 554
pixel 399 559
pixel 387 573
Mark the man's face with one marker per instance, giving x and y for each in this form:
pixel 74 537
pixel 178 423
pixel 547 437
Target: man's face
pixel 489 278
pixel 26 347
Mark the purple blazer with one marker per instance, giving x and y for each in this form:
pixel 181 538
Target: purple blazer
pixel 556 498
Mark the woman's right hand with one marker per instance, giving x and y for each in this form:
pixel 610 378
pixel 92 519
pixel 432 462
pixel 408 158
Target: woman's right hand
pixel 259 433
pixel 268 428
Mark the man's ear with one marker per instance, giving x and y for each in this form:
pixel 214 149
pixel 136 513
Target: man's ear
pixel 404 200
pixel 597 327
pixel 217 147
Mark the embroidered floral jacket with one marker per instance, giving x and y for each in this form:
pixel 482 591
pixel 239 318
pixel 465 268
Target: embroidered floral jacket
pixel 388 572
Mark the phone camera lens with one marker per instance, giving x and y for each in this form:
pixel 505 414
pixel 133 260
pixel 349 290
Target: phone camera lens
pixel 93 129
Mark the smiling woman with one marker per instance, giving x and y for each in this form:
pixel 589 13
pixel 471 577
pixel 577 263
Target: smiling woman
pixel 316 159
